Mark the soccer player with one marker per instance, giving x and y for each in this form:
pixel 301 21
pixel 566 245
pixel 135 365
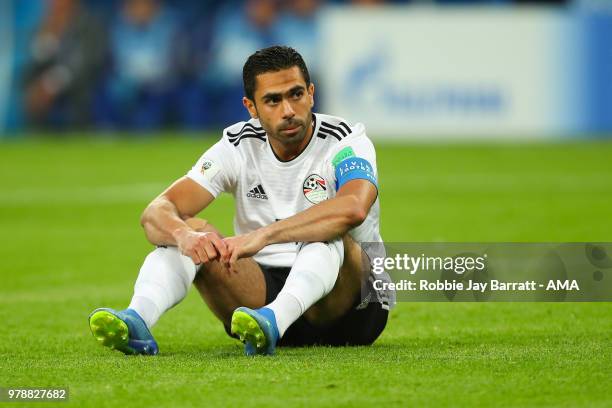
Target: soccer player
pixel 306 196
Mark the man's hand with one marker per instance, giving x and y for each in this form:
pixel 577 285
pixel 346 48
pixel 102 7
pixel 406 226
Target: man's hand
pixel 243 246
pixel 201 247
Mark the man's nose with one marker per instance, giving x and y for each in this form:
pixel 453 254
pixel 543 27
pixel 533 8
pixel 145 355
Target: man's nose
pixel 288 111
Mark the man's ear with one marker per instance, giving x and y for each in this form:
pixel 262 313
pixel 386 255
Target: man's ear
pixel 250 107
pixel 311 90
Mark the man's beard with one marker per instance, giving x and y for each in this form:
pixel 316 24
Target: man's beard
pixel 289 124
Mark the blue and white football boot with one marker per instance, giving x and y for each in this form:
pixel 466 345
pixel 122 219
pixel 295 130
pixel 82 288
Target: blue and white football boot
pixel 256 329
pixel 122 330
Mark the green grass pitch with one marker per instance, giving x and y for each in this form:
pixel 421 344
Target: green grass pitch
pixel 71 241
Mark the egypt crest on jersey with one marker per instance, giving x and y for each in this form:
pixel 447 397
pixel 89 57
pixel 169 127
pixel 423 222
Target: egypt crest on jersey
pixel 315 189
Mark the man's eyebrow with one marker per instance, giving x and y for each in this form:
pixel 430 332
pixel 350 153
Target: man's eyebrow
pixel 295 89
pixel 271 95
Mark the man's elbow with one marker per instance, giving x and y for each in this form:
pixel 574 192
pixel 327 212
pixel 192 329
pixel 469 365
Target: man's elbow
pixel 145 217
pixel 145 223
pixel 357 217
pixel 151 233
pixel 153 210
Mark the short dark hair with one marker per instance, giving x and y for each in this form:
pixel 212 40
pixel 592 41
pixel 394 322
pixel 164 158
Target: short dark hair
pixel 271 59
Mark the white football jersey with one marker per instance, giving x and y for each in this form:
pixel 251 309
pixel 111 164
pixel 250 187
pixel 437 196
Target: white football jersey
pixel 266 189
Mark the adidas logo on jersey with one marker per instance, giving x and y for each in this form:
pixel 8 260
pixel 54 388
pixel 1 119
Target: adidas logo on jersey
pixel 257 192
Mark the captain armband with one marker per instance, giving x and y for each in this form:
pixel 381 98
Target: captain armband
pixel 354 168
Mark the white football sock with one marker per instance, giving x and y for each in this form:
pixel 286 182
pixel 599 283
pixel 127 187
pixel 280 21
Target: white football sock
pixel 163 281
pixel 312 276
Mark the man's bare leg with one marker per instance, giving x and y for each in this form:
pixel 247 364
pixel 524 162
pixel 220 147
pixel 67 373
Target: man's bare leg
pixel 224 291
pixel 322 285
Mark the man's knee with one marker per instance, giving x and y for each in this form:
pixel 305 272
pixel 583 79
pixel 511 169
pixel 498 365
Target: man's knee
pixel 215 273
pixel 356 261
pixel 212 272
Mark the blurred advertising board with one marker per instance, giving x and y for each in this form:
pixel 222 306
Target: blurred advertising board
pixel 490 72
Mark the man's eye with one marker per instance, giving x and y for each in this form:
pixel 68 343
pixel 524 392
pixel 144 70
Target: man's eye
pixel 298 94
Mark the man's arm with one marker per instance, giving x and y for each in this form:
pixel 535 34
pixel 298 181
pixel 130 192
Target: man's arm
pixel 327 220
pixel 322 222
pixel 164 221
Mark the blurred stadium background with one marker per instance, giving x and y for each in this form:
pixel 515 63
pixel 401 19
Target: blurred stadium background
pixel 412 68
pixel 104 103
